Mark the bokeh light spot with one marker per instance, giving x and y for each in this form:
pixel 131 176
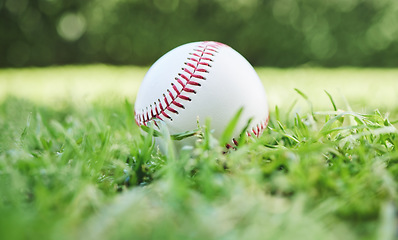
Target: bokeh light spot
pixel 345 5
pixel 16 6
pixel 309 22
pixel 71 26
pixel 238 6
pixel 322 45
pixel 375 40
pixel 166 6
pixel 389 26
pixel 286 11
pixel 30 21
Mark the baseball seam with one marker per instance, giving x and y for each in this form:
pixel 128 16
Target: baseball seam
pixel 187 80
pixel 197 64
pixel 256 131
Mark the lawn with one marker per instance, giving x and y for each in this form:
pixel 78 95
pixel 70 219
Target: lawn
pixel 73 164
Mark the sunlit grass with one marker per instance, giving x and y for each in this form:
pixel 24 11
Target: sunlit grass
pixel 363 89
pixel 78 84
pixel 73 164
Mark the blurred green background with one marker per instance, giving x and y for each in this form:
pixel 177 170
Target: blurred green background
pixel 277 33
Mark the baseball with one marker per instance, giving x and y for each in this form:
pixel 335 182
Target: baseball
pixel 202 80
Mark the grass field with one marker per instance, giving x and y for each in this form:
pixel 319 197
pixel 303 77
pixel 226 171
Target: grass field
pixel 73 164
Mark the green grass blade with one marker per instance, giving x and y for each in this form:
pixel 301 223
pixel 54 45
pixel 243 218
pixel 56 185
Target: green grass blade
pixel 331 100
pixel 229 130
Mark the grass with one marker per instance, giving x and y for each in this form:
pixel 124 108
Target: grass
pixel 73 165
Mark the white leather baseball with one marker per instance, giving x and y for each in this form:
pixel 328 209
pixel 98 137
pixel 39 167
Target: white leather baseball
pixel 202 80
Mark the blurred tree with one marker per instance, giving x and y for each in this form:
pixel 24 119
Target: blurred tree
pixel 282 33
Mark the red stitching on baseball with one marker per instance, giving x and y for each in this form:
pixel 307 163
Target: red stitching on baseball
pixel 179 81
pixel 184 98
pixel 190 64
pixel 164 114
pixel 178 104
pixel 158 111
pixel 165 99
pixel 190 90
pixel 207 59
pixel 256 130
pixel 175 88
pixel 194 83
pixel 199 58
pixel 259 128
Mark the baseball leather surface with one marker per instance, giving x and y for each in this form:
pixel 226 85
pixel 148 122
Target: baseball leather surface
pixel 202 80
